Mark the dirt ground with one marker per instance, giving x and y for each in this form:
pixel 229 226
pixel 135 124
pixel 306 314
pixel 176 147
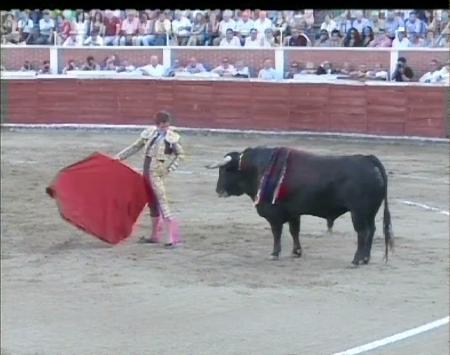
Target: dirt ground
pixel 65 292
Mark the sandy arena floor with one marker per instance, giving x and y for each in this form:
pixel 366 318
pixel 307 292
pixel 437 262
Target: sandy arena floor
pixel 65 292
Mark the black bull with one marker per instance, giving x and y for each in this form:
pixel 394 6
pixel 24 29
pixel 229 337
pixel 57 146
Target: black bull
pixel 321 186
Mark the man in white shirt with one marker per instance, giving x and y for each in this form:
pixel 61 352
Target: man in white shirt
pixel 268 71
pixel 329 25
pixel 94 40
pixel 225 69
pixel 252 41
pixel 400 40
pixel 153 69
pixel 262 23
pixel 434 75
pixel 230 40
pixel 360 22
pixel 226 23
pixel 445 74
pixel 46 27
pixel 240 71
pixel 244 26
pixel 181 28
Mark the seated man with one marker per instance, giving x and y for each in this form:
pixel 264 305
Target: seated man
pixel 230 40
pixel 225 69
pixel 193 67
pixel 153 69
pixel 294 69
pixel 240 71
pixel 268 71
pixel 252 41
pixel 434 75
pixel 402 71
pixel 378 73
pixel 325 68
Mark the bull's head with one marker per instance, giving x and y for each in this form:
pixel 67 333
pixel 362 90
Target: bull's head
pixel 231 181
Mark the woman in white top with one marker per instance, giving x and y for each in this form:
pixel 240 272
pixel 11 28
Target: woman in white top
pixel 81 27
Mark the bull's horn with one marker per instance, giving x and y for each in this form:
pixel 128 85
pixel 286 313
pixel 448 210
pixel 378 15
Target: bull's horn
pixel 225 161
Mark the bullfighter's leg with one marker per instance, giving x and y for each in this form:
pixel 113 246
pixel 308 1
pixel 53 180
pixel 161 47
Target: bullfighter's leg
pixel 294 228
pixel 277 229
pixel 361 227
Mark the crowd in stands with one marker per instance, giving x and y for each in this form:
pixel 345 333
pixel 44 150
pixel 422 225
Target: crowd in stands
pixel 228 28
pixel 439 72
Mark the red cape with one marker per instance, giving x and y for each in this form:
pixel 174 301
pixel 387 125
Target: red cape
pixel 101 196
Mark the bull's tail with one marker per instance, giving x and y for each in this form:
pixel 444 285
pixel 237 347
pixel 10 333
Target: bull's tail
pixel 387 226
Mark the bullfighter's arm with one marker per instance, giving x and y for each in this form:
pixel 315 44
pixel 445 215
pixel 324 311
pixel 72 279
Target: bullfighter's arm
pixel 135 147
pixel 179 155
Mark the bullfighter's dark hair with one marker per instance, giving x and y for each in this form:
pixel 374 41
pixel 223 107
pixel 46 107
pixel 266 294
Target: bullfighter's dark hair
pixel 163 117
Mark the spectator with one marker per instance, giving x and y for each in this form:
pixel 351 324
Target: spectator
pixel 240 70
pixel 297 39
pixel 226 23
pixel 360 22
pixel 328 25
pixel 392 23
pixel 181 28
pixel 71 40
pixel 400 41
pixel 442 39
pixel 153 69
pixel 46 28
pixel 70 66
pixel 382 39
pixel 81 27
pixel 325 68
pixel 375 21
pixel 212 29
pixel 262 23
pixel 97 24
pixel 128 29
pixel 176 67
pixel 111 63
pixel 294 69
pixel 252 41
pixel 336 39
pixel 346 69
pixel 45 67
pixel 268 71
pixel 268 40
pixel 413 24
pixel 90 64
pixel 162 29
pixel 112 28
pixel 415 40
pixel 343 23
pixel 402 72
pixel 10 32
pixel 361 73
pixel 378 73
pixel 94 39
pixel 429 39
pixel 225 69
pixel 434 75
pixel 67 28
pixel 352 39
pixel 197 37
pixel 194 67
pixel 309 69
pixel 125 67
pixel 27 66
pixel 244 26
pixel 324 39
pixel 25 26
pixel 367 36
pixel 445 73
pixel 230 40
pixel 145 30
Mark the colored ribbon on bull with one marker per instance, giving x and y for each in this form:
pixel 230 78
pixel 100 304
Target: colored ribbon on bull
pixel 273 177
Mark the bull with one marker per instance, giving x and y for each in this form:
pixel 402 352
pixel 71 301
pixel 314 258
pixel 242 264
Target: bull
pixel 323 186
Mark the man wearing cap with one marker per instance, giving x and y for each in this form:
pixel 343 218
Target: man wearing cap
pixel 400 41
pixel 163 152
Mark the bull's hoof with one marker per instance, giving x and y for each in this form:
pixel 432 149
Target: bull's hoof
pixel 274 257
pixel 366 260
pixel 296 253
pixel 356 261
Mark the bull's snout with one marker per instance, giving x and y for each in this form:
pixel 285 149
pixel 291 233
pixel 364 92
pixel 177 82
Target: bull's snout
pixel 222 193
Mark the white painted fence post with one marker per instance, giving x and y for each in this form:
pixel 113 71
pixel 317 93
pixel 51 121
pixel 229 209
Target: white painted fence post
pixel 167 57
pixel 54 59
pixel 279 62
pixel 394 59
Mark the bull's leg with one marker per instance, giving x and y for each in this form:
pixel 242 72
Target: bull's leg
pixel 294 228
pixel 362 228
pixel 368 246
pixel 330 223
pixel 277 229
